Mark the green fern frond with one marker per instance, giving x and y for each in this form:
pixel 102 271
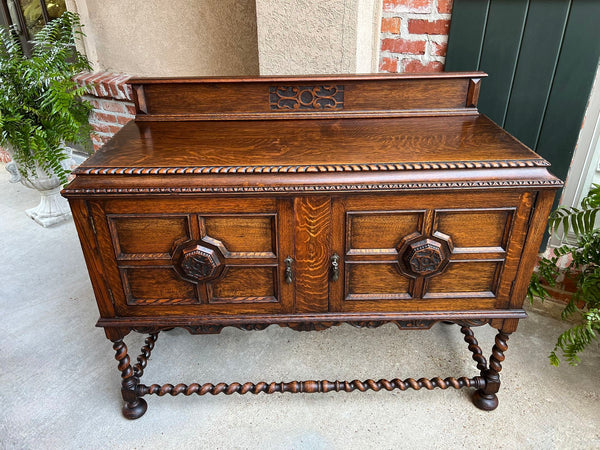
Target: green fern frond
pixel 40 104
pixel 584 266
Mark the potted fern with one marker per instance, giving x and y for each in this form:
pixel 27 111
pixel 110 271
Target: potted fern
pixel 41 110
pixel 584 268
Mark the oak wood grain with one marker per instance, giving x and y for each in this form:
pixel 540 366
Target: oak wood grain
pixel 380 198
pixel 309 145
pixel 193 99
pixel 312 233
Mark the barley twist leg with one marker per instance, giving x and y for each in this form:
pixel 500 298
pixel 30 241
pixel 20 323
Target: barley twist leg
pixel 138 369
pixel 486 398
pixel 134 406
pixel 474 348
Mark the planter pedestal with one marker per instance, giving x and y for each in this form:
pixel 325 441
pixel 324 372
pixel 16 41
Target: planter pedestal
pixel 52 208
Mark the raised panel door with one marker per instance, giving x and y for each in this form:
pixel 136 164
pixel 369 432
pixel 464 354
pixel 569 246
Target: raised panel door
pixel 196 256
pixel 427 252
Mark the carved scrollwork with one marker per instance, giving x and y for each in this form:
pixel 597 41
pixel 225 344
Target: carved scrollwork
pixel 203 329
pixel 296 326
pixel 414 324
pixel 310 326
pixel 216 329
pixel 471 322
pixel 402 324
pixel 253 326
pixel 295 98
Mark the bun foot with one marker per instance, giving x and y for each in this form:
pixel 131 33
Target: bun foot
pixel 487 402
pixel 135 410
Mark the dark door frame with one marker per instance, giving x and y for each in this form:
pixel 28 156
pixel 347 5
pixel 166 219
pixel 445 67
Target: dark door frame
pixel 18 19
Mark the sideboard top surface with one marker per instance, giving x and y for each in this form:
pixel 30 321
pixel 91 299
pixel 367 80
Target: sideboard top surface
pixel 309 134
pixel 334 142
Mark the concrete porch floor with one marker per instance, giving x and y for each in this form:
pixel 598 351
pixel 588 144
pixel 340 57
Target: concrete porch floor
pixel 60 388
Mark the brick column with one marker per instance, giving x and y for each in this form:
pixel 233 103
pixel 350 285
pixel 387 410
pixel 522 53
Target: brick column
pixel 112 100
pixel 414 35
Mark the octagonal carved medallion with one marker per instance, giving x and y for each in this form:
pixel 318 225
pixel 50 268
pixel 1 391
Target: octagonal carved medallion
pixel 420 256
pixel 199 261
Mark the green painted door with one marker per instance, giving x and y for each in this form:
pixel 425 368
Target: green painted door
pixel 541 57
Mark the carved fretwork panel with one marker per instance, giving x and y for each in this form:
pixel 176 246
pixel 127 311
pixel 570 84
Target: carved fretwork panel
pixel 298 98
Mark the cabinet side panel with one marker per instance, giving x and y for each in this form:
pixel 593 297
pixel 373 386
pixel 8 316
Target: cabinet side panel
pixel 538 222
pixel 91 254
pixel 312 235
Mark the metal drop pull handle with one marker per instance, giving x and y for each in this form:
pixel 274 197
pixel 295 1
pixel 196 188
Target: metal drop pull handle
pixel 289 275
pixel 335 267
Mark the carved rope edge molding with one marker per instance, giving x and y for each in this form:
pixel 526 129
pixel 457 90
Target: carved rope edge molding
pixel 314 168
pixel 314 188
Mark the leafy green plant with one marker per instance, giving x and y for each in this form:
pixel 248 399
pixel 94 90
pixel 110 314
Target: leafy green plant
pixel 584 268
pixel 40 104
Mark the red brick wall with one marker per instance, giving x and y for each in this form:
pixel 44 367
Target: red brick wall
pixel 112 99
pixel 414 35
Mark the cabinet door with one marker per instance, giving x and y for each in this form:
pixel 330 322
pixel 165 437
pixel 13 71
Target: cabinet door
pixel 196 256
pixel 427 252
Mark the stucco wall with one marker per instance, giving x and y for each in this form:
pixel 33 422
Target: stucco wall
pixel 317 36
pixel 171 37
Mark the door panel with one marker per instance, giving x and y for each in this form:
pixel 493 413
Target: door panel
pixel 371 281
pixel 243 233
pixel 156 286
pixel 483 228
pixel 246 284
pixel 134 236
pixel 465 279
pixel 441 257
pixel 196 256
pixel 389 228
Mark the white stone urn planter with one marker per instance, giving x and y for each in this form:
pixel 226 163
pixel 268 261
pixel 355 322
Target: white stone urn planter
pixel 53 208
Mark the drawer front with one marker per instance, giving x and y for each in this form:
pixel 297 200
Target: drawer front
pixel 191 256
pixel 428 252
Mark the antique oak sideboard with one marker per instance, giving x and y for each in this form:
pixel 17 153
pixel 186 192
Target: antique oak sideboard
pixel 308 202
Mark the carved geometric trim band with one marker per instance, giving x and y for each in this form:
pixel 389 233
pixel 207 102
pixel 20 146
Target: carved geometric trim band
pixel 389 167
pixel 317 188
pixel 305 326
pixel 299 98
